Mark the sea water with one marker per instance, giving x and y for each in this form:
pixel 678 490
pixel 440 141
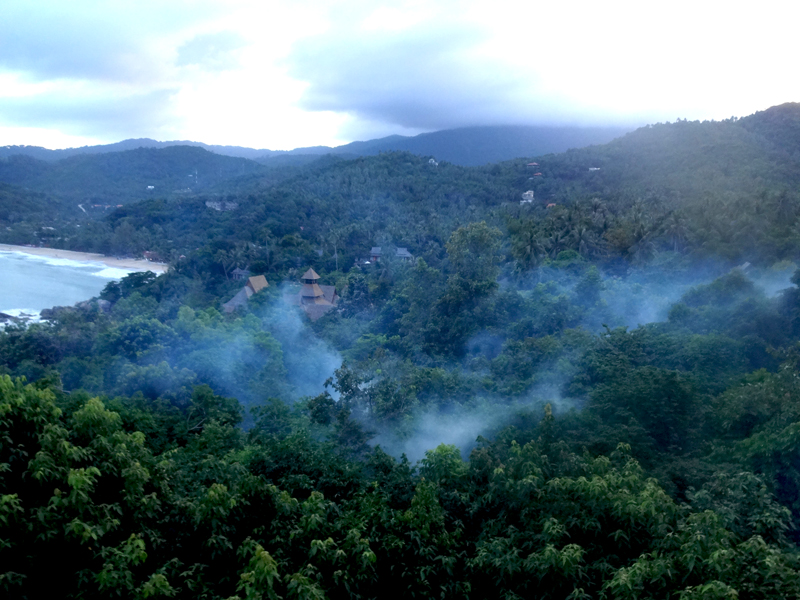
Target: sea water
pixel 30 283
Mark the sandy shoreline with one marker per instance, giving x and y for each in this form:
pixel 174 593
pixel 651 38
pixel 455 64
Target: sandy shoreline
pixel 119 263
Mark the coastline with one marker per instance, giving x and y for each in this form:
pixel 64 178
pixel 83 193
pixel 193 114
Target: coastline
pixel 119 263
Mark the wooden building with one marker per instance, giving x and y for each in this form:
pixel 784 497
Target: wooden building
pixel 240 274
pixel 313 298
pixel 401 253
pixel 253 286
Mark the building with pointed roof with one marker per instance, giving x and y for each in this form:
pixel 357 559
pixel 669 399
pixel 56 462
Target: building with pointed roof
pixel 256 284
pixel 253 286
pixel 312 293
pixel 314 299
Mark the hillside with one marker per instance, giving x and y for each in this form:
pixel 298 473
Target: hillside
pixel 722 187
pixel 120 177
pixel 779 125
pixel 132 144
pixel 682 162
pixel 717 188
pixel 18 204
pixel 474 146
pixel 727 189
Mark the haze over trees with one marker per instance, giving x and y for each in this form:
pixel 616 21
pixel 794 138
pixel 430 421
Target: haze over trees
pixel 613 368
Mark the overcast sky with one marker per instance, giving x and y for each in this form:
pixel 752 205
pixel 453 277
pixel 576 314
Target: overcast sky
pixel 283 74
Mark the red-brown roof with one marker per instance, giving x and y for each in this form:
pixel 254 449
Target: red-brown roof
pixel 258 283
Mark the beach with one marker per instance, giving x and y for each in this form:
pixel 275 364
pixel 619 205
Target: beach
pixel 32 279
pixel 130 264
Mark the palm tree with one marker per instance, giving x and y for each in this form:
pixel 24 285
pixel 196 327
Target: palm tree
pixel 527 247
pixel 598 214
pixel 227 260
pixel 676 229
pixel 270 243
pixel 584 240
pixel 641 233
pixel 557 242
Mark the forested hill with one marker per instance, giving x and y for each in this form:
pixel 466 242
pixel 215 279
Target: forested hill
pixel 131 144
pixel 119 177
pixel 17 205
pixel 724 190
pixel 780 125
pixel 690 159
pixel 474 146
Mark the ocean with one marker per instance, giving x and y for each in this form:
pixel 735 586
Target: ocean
pixel 30 283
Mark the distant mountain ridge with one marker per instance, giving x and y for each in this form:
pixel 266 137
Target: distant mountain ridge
pixel 734 155
pixel 468 146
pixel 746 170
pixel 123 176
pixel 132 144
pixel 475 146
pixel 726 188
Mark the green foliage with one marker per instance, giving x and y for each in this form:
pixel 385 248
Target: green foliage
pixel 229 455
pixel 205 519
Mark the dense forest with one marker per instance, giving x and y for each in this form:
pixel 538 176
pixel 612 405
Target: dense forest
pixel 588 391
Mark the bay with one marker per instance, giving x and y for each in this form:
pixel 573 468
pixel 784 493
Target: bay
pixel 30 283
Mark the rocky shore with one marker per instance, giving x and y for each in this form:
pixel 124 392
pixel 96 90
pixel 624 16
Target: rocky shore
pixel 93 305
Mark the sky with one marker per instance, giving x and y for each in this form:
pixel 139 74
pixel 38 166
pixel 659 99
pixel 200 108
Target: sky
pixel 282 74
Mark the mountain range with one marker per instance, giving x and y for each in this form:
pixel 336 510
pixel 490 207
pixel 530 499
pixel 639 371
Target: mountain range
pixel 469 146
pixel 681 163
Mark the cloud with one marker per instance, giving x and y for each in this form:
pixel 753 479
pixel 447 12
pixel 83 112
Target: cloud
pixel 433 66
pixel 187 69
pixel 95 40
pixel 94 113
pixel 429 77
pixel 211 51
pixel 103 70
pixel 283 74
pixel 52 41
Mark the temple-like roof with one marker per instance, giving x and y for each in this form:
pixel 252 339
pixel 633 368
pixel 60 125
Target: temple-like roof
pixel 311 290
pixel 310 274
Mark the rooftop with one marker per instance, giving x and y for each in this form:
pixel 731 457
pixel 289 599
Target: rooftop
pixel 310 274
pixel 258 283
